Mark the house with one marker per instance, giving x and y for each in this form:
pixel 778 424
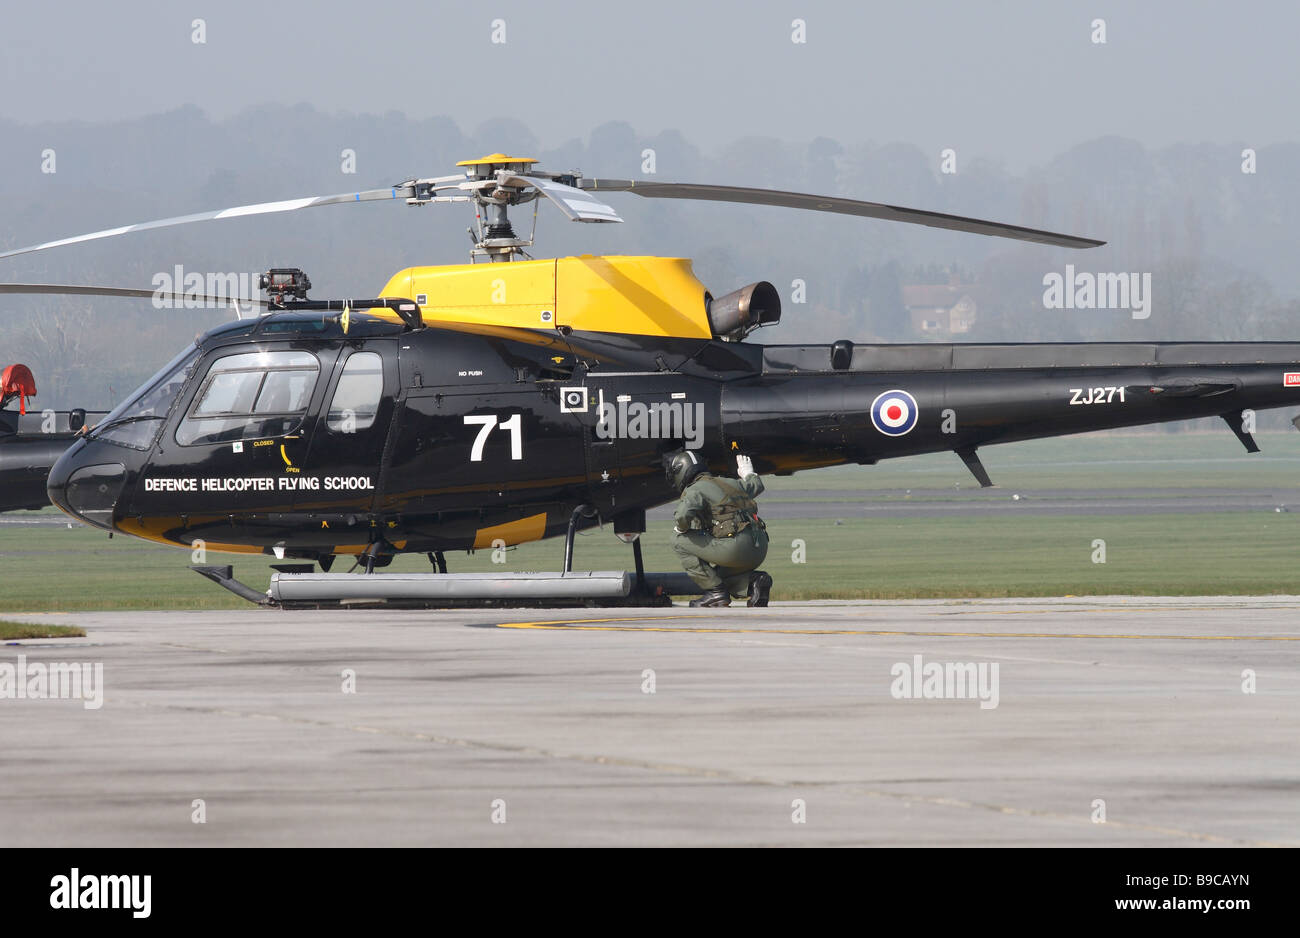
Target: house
pixel 940 309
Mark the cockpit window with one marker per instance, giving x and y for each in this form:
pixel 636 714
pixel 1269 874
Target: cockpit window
pixel 356 399
pixel 230 393
pixel 250 396
pixel 136 420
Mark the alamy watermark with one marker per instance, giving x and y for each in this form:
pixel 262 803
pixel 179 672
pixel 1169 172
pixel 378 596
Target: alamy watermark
pixel 80 890
pixel 946 680
pixel 627 419
pixel 197 290
pixel 1131 291
pixel 661 420
pixel 58 680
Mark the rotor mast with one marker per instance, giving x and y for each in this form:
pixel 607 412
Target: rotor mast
pixel 493 183
pixel 496 238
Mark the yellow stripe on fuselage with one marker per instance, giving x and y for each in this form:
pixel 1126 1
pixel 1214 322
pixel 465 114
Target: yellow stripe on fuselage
pixel 531 528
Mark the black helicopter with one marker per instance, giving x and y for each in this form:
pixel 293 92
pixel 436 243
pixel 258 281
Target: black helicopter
pixel 486 404
pixel 30 442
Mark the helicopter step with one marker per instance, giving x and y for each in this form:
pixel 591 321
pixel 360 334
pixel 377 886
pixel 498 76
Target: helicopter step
pixel 443 590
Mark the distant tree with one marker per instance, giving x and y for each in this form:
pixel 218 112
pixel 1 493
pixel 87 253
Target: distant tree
pixel 887 315
pixel 822 171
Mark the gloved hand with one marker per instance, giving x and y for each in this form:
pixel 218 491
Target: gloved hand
pixel 744 466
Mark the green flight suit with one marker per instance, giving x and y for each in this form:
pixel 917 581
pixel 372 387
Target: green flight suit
pixel 720 562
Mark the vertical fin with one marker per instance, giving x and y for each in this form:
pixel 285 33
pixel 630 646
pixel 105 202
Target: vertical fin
pixel 1233 420
pixel 972 461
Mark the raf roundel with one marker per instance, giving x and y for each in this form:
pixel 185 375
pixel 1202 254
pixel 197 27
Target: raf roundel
pixel 894 413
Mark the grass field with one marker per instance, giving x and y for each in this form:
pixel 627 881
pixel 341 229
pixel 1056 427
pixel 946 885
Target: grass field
pixel 1089 462
pixel 54 567
pixel 14 631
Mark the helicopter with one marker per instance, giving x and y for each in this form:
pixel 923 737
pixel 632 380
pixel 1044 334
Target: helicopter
pixel 31 442
pixel 513 399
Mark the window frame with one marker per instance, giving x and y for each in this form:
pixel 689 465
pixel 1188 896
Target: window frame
pixel 328 406
pixel 252 415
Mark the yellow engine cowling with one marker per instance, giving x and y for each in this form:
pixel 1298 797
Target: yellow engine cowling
pixel 654 296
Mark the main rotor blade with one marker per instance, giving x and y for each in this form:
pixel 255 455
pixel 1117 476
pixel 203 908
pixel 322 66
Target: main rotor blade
pixel 239 211
pixel 820 203
pixel 574 203
pixel 64 289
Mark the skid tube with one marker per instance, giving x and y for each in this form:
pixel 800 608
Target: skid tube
pixel 297 586
pixel 598 589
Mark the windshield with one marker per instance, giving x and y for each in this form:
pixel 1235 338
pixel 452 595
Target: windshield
pixel 136 420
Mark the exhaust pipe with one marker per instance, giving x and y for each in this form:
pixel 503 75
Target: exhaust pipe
pixel 734 316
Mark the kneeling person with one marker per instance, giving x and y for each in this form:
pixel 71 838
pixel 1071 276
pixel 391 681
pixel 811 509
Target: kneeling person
pixel 718 534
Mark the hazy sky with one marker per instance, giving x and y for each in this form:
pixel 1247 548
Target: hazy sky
pixel 1017 80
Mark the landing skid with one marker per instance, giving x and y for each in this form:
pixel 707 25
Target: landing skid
pixel 459 591
pixel 296 586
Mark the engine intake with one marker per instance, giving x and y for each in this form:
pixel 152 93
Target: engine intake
pixel 734 316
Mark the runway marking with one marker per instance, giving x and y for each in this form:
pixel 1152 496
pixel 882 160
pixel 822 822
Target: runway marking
pixel 579 625
pixel 724 775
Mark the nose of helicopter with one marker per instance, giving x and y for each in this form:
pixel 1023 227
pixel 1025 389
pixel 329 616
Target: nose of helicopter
pixel 87 492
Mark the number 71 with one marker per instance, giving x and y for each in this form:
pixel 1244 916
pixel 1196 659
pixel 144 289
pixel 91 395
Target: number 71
pixel 488 422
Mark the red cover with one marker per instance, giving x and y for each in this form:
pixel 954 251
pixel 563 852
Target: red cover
pixel 17 380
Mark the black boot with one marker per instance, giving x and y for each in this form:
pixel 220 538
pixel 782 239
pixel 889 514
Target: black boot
pixel 760 584
pixel 717 597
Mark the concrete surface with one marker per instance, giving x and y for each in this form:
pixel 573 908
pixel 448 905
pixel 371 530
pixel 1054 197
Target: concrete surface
pixel 1134 702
